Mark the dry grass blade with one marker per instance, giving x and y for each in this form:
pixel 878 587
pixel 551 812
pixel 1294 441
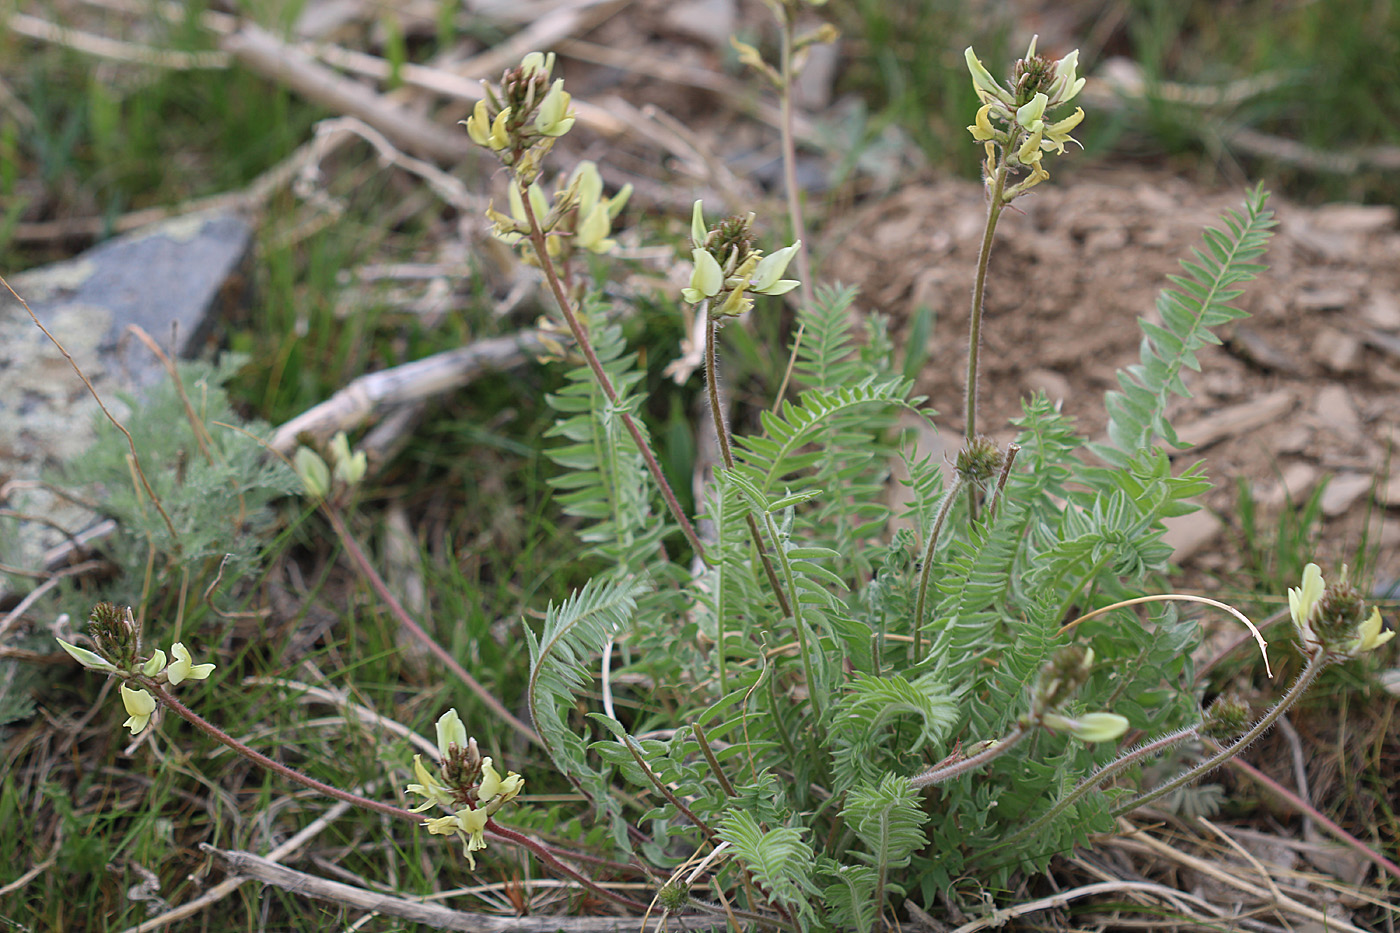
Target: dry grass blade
pixel 113 49
pixel 1136 839
pixel 341 700
pixel 230 884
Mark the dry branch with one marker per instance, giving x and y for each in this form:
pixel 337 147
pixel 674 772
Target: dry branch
pixel 264 53
pixel 442 918
pixel 372 394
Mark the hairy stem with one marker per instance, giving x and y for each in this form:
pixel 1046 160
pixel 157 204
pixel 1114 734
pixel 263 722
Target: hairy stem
pixel 711 760
pixel 924 572
pixel 540 852
pixel 1316 662
pixel 291 774
pixel 537 240
pixel 1108 771
pixel 727 453
pixel 948 772
pixel 366 567
pixel 214 732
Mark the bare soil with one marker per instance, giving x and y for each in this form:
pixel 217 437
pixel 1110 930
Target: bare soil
pixel 1301 392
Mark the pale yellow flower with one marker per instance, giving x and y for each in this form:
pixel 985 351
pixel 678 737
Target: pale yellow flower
pixel 139 706
pixel 1090 727
pixel 494 786
pixel 428 787
pixel 183 667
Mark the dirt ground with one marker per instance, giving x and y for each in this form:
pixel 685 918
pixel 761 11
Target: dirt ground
pixel 1300 392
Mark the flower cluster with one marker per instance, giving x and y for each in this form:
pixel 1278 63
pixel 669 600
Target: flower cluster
pixel 576 216
pixel 117 638
pixel 1333 618
pixel 1014 119
pixel 469 788
pixel 520 122
pixel 728 269
pixel 1065 673
pixel 345 471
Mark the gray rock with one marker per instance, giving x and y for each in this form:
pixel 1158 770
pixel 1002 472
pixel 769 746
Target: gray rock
pixel 173 277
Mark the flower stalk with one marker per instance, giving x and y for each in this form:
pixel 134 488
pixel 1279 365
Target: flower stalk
pixel 541 247
pixel 1316 662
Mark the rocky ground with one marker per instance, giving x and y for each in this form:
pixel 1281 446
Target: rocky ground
pixel 1301 393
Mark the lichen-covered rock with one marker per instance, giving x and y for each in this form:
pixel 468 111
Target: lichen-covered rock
pixel 171 278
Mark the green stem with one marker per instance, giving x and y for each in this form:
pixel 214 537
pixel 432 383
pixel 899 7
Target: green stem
pixel 924 572
pixel 537 240
pixel 727 453
pixel 711 760
pixel 1316 663
pixel 803 647
pixel 939 775
pixel 788 141
pixel 630 744
pixel 994 209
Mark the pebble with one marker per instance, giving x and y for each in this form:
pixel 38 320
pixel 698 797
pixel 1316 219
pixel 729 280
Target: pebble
pixel 1336 410
pixel 1324 298
pixel 1382 311
pixel 1237 419
pixel 1343 492
pixel 711 21
pixel 1337 350
pixel 1294 485
pixel 1188 534
pixel 1055 386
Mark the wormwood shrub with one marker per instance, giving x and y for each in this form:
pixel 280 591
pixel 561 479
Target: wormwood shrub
pixel 837 717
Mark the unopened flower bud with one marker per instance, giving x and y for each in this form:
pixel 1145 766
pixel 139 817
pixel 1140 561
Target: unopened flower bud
pixel 673 896
pixel 1226 717
pixel 114 633
pixel 315 476
pixel 979 461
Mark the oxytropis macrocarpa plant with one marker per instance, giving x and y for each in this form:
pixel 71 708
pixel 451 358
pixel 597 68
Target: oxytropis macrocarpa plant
pixel 841 717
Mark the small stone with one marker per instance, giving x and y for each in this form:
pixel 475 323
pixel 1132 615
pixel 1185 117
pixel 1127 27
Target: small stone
pixel 1389 494
pixel 1188 534
pixel 1382 311
pixel 1054 385
pixel 1294 486
pixel 711 21
pixel 1294 440
pixel 1237 419
pixel 1338 351
pixel 1354 218
pixel 1256 349
pixel 1343 491
pixel 1324 298
pixel 1336 410
pixel 1106 239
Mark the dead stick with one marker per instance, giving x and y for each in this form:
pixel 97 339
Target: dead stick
pixel 371 394
pixel 286 64
pixel 442 918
